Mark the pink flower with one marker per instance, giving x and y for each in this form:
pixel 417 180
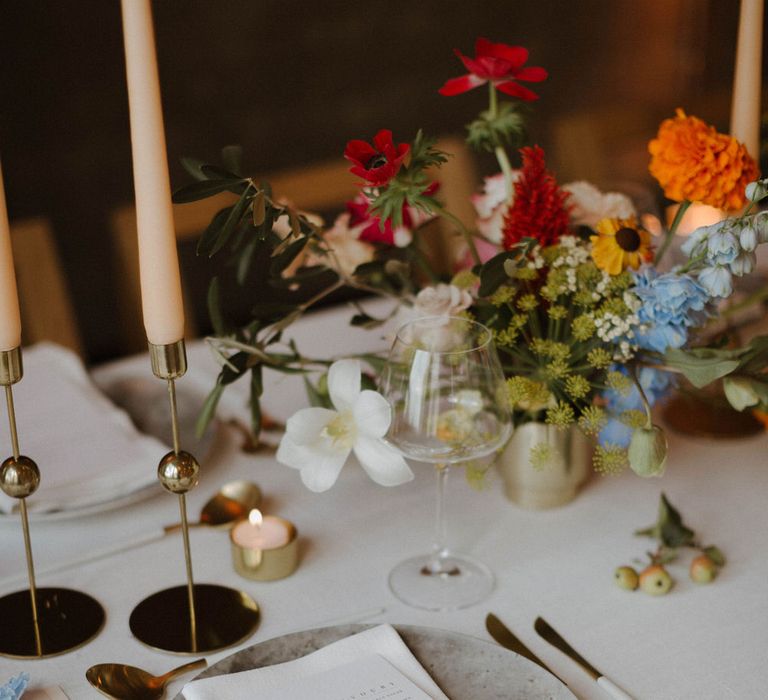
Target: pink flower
pixel 502 65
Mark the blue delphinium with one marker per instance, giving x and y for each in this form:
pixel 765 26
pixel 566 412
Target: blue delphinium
pixel 723 250
pixel 655 385
pixel 15 687
pixel 671 303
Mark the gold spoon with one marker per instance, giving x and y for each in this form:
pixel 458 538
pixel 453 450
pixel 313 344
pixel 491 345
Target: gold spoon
pixel 124 682
pixel 230 503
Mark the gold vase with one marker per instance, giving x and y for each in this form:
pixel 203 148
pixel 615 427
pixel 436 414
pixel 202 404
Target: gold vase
pixel 544 467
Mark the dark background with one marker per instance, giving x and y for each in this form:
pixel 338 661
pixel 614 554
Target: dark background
pixel 292 81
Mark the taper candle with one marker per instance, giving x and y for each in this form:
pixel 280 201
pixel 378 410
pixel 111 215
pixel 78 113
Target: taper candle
pixel 10 319
pixel 746 105
pixel 161 297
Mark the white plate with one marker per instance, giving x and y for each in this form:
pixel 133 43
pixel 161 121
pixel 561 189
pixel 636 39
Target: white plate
pixel 465 668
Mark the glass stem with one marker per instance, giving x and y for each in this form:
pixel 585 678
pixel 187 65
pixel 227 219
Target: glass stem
pixel 436 565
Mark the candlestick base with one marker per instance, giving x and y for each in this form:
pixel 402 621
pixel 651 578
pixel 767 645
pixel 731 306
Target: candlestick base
pixel 67 620
pixel 224 617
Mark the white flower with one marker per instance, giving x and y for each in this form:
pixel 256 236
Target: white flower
pixel 442 300
pixel 346 250
pixel 590 205
pixel 492 206
pixel 318 441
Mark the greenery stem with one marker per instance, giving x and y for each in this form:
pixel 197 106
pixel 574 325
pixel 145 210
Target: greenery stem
pixel 643 398
pixel 672 229
pixel 501 154
pixel 440 211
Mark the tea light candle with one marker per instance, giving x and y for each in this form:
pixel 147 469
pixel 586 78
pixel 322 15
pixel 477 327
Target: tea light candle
pixel 264 548
pixel 261 532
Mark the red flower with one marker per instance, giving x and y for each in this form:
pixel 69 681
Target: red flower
pixel 539 210
pixel 502 65
pixel 379 163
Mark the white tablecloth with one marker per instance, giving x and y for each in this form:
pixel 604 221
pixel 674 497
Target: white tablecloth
pixel 698 642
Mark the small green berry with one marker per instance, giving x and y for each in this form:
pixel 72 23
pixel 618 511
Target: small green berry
pixel 626 577
pixel 654 580
pixel 703 569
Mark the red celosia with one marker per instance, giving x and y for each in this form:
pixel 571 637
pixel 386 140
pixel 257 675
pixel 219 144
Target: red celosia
pixel 502 64
pixel 377 164
pixel 539 210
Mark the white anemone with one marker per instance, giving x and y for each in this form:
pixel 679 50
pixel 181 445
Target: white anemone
pixel 318 441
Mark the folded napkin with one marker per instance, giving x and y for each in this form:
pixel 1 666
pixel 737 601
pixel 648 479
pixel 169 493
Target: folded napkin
pixel 87 449
pixel 382 640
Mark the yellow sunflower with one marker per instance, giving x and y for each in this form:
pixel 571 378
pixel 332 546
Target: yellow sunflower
pixel 619 244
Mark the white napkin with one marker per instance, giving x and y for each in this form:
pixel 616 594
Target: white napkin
pixel 87 449
pixel 382 640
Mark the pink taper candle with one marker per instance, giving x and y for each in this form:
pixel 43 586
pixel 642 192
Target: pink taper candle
pixel 161 297
pixel 746 108
pixel 10 319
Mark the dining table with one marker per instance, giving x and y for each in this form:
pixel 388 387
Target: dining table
pixel 697 642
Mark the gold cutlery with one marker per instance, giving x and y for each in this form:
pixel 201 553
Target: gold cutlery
pixel 230 503
pixel 504 636
pixel 124 682
pixel 547 632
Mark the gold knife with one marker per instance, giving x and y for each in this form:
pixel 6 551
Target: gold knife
pixel 503 635
pixel 547 632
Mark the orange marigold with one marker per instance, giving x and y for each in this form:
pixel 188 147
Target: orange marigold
pixel 691 160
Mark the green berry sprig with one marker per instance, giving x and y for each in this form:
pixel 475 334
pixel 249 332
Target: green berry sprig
pixel 671 535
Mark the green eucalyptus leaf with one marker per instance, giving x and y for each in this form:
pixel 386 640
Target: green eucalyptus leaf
pixel 234 218
pixel 493 273
pixel 214 171
pixel 257 389
pixel 194 166
pixel 699 369
pixel 239 363
pixel 209 409
pixel 232 157
pixel 672 531
pixel 214 307
pixel 259 208
pixel 211 233
pixel 205 188
pixel 286 257
pixel 315 397
pixel 244 260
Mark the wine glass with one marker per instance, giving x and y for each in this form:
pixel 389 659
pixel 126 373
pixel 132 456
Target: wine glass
pixel 445 384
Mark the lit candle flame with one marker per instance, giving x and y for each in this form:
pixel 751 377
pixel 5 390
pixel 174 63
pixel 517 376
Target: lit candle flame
pixel 255 517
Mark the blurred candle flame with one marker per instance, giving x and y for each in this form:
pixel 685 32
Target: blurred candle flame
pixel 255 517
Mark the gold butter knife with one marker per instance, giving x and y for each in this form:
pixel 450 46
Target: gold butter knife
pixel 504 636
pixel 547 632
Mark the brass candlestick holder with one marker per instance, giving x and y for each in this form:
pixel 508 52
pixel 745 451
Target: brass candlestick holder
pixel 194 618
pixel 37 622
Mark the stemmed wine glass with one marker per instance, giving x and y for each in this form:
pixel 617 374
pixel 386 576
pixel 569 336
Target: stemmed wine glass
pixel 445 384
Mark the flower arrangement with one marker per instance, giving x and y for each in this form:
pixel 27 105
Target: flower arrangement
pixel 592 329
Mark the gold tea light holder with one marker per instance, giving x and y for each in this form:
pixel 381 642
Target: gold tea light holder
pixel 257 559
pixel 37 622
pixel 193 618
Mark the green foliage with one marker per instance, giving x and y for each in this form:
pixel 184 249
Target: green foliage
pixel 408 187
pixel 669 529
pixel 506 128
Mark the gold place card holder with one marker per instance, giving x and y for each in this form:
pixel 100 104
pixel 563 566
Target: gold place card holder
pixel 193 618
pixel 37 622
